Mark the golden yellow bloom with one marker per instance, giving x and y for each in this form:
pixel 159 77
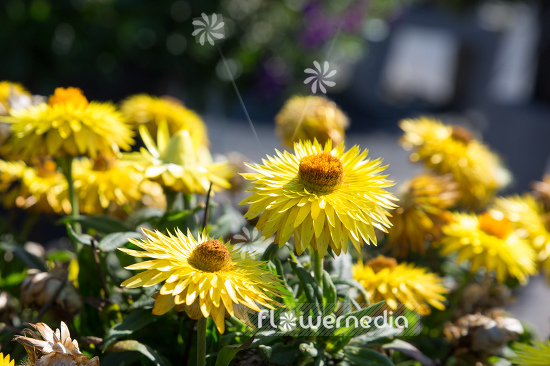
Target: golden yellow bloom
pixel 414 287
pixel 53 348
pixel 173 162
pixel 105 183
pixel 322 195
pixel 309 118
pixel 68 126
pixel 203 277
pixel 529 219
pixel 491 243
pixel 423 210
pixel 40 188
pixel 11 174
pixel 151 111
pixel 452 149
pixel 536 354
pixel 5 361
pixel 8 88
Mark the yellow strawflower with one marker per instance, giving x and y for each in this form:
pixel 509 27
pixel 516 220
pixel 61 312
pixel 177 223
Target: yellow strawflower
pixel 203 277
pixel 323 195
pixel 451 149
pixel 536 354
pixel 106 183
pixel 41 188
pixel 530 221
pixel 151 111
pixel 309 118
pixel 489 242
pixel 68 126
pixel 5 361
pixel 414 287
pixel 175 163
pixel 7 88
pixel 423 209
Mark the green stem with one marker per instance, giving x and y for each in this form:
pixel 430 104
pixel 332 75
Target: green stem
pixel 201 342
pixel 171 199
pixel 67 167
pixel 317 263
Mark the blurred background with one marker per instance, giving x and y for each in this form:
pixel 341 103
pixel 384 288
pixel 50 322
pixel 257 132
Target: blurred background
pixel 485 64
pixel 481 64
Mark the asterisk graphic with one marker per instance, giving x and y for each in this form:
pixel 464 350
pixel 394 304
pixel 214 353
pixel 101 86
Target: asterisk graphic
pixel 208 28
pixel 319 77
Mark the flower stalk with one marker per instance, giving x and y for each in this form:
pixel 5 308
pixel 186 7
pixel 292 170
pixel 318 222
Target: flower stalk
pixel 67 167
pixel 317 262
pixel 201 342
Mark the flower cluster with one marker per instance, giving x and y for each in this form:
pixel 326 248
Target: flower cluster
pixel 152 254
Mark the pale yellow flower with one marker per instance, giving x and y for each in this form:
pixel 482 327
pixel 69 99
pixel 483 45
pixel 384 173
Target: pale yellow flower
pixel 310 118
pixel 151 111
pixel 68 126
pixel 451 149
pixel 414 287
pixel 325 196
pixel 203 277
pixel 489 242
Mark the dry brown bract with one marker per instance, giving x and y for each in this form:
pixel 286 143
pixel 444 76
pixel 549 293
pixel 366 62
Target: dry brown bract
pixel 476 337
pixel 55 348
pixel 38 288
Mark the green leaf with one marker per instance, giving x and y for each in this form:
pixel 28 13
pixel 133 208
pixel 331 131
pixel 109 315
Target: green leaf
pixel 171 220
pixel 329 294
pixel 289 300
pixel 145 214
pixel 266 351
pixel 409 350
pixel 83 239
pixel 352 330
pixel 131 345
pixel 29 259
pixel 88 281
pixel 116 240
pixel 272 248
pixel 133 322
pixel 104 224
pixel 309 285
pixel 366 357
pixel 228 353
pixel 230 221
pixel 352 283
pixel 285 354
pixel 12 279
pixel 60 256
pixel 120 359
pixel 309 349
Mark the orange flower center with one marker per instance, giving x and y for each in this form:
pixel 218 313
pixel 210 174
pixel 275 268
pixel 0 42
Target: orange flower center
pixel 321 173
pixel 492 226
pixel 462 134
pixel 68 97
pixel 103 162
pixel 379 263
pixel 210 256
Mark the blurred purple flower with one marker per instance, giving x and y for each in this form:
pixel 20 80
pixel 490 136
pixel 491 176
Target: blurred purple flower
pixel 320 27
